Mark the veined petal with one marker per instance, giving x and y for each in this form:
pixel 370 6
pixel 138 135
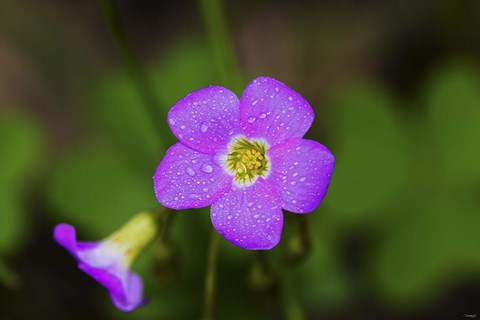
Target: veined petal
pixel 206 119
pixel 189 179
pixel 271 110
pixel 301 171
pixel 251 217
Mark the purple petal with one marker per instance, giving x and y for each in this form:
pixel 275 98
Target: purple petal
pixel 251 217
pixel 272 111
pixel 301 171
pixel 66 236
pixel 189 179
pixel 125 287
pixel 206 120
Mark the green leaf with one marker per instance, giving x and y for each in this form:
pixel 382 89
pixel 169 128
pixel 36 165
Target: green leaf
pixel 433 247
pixel 97 190
pixel 453 99
pixel 370 151
pixel 22 142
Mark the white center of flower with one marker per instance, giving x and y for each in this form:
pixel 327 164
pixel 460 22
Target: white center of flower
pixel 247 160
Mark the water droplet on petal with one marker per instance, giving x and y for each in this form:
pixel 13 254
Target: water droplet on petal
pixel 302 179
pixel 251 119
pixel 182 127
pixel 254 102
pixel 190 172
pixel 250 204
pixel 207 168
pixel 294 201
pixel 204 127
pixel 172 121
pixel 290 98
pixel 230 132
pixel 263 115
pixel 194 196
pixel 277 90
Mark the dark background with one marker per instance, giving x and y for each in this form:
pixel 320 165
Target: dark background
pixel 395 86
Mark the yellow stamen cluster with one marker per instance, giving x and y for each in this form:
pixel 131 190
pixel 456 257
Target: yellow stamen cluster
pixel 246 160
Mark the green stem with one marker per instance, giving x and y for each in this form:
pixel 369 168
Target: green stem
pixel 132 65
pixel 210 277
pixel 292 307
pixel 221 45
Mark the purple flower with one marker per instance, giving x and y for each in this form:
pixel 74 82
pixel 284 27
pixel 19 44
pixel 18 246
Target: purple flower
pixel 246 158
pixel 108 261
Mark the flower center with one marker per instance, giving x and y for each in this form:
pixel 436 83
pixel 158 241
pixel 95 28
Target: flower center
pixel 247 160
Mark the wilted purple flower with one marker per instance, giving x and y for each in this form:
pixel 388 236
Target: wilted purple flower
pixel 246 158
pixel 108 261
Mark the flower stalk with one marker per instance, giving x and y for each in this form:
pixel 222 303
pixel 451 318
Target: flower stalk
pixel 211 276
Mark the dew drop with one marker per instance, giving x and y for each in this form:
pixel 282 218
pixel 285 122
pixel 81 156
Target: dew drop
pixel 251 119
pixel 190 172
pixel 172 121
pixel 249 204
pixel 256 216
pixel 254 102
pixel 290 99
pixel 293 183
pixel 205 189
pixel 277 90
pixel 230 132
pixel 182 127
pixel 204 127
pixel 194 196
pixel 263 115
pixel 207 168
pixel 302 179
pixel 294 201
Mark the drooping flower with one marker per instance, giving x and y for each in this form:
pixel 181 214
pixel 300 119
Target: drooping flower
pixel 108 261
pixel 246 158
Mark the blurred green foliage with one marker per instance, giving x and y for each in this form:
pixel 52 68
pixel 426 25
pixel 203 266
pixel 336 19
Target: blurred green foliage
pixel 405 189
pixel 22 147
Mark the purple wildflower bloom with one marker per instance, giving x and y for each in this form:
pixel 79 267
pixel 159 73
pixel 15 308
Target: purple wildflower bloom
pixel 246 158
pixel 108 261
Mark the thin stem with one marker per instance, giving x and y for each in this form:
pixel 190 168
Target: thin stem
pixel 292 307
pixel 210 277
pixel 221 45
pixel 132 65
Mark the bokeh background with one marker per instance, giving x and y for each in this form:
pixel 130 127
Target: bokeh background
pixel 395 86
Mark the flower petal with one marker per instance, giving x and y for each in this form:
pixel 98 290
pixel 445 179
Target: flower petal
pixel 250 218
pixel 271 110
pixel 189 179
pixel 206 119
pixel 125 287
pixel 301 171
pixel 66 236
